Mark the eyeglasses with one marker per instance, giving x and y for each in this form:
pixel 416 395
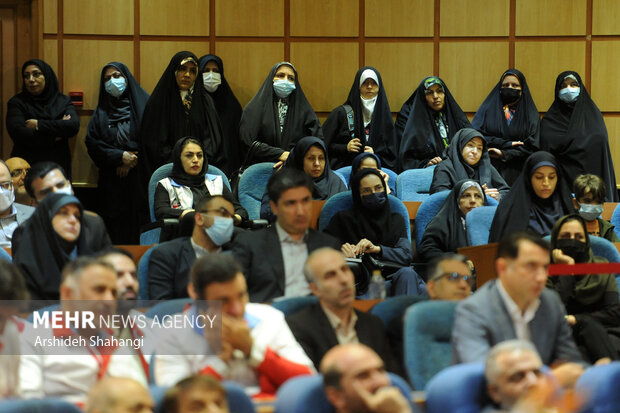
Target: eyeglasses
pixel 456 277
pixel 8 185
pixel 222 212
pixel 18 172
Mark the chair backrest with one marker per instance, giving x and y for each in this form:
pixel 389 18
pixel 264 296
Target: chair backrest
pixel 427 211
pixel 4 255
pixel 291 305
pixel 38 406
pixel 427 333
pixel 305 394
pixel 615 220
pixel 344 200
pixel 393 308
pixel 345 174
pixel 479 224
pixel 599 385
pixel 460 388
pixel 252 187
pixel 167 307
pixel 143 274
pixel 414 184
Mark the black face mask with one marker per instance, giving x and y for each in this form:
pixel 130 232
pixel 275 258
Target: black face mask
pixel 509 95
pixel 573 248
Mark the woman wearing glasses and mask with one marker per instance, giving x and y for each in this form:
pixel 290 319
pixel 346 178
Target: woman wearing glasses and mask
pixel 40 119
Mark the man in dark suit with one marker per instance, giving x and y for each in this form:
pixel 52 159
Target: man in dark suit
pixel 333 320
pixel 48 177
pixel 273 258
pixel 517 306
pixel 171 261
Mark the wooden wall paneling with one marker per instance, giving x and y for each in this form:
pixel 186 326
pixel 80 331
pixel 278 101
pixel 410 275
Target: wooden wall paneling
pixel 605 63
pixel 541 62
pixel 246 65
pixel 112 17
pixel 613 132
pixel 403 18
pixel 83 61
pixel 402 67
pixel 326 71
pixel 174 18
pixel 155 57
pixel 474 18
pixel 50 53
pixel 83 169
pixel 255 18
pixel 551 18
pixel 325 18
pixel 471 69
pixel 605 17
pixel 50 16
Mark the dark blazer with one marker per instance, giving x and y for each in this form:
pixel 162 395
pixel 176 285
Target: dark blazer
pixel 482 320
pixel 260 256
pixel 313 331
pixel 169 266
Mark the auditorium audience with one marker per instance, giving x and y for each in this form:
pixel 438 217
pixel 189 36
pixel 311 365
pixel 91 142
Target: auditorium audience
pixel 178 108
pixel 12 214
pixel 370 160
pixel 467 157
pixel 536 200
pixel 589 193
pixel 68 372
pixel 574 131
pixel 171 261
pixel 449 277
pixel 371 229
pixel 509 121
pixel 591 301
pixel 112 142
pixel 196 394
pixel 277 117
pixel 119 395
pixel 127 286
pixel 227 106
pixel 426 124
pixel 363 123
pixel 19 168
pixel 447 231
pixel 258 349
pixel 40 120
pixel 272 258
pixel 333 320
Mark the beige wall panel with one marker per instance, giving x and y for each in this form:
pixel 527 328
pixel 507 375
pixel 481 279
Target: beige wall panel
pixel 605 17
pixel 402 67
pixel 324 18
pixel 326 72
pixel 174 17
pixel 155 57
pixel 50 53
pixel 605 63
pixel 246 65
pixel 83 169
pixel 613 132
pixel 542 62
pixel 98 17
pixel 474 18
pixel 550 17
pixel 50 16
pixel 83 61
pixel 471 69
pixel 403 18
pixel 255 18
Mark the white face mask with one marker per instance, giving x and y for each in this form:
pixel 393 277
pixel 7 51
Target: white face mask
pixel 7 197
pixel 211 81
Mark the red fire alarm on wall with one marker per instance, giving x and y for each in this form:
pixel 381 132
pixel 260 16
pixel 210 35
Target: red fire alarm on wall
pixel 77 97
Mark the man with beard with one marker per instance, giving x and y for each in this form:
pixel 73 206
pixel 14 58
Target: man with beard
pixel 121 260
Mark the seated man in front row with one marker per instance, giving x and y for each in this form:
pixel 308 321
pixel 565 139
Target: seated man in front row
pixel 333 320
pixel 517 306
pixel 273 258
pixel 258 349
pixel 170 262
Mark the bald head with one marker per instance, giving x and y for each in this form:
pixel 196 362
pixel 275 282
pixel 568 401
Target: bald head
pixel 119 395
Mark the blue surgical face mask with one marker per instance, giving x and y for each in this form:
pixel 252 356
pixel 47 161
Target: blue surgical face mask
pixel 569 94
pixel 590 212
pixel 115 86
pixel 221 231
pixel 374 202
pixel 283 88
